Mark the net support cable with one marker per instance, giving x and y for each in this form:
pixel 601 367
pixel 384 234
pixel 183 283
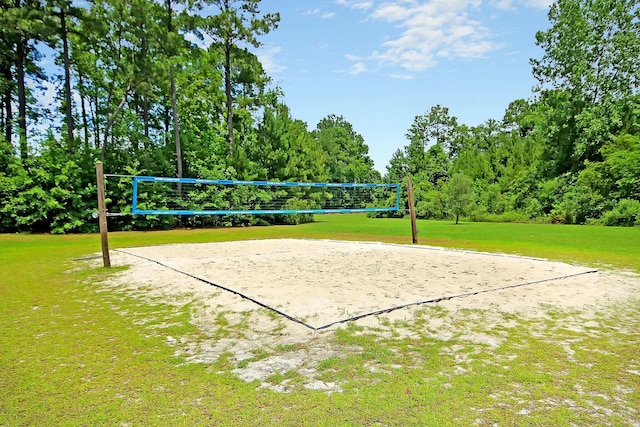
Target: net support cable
pixel 316 329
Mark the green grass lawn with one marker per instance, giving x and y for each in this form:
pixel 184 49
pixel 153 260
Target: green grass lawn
pixel 73 354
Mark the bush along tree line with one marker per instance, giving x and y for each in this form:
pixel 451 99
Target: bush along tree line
pixel 135 92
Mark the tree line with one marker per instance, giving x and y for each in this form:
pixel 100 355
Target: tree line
pixel 136 91
pixel 570 154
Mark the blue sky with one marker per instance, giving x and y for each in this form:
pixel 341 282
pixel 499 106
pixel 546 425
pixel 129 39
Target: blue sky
pixel 381 63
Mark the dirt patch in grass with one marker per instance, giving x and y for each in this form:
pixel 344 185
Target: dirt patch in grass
pixel 466 301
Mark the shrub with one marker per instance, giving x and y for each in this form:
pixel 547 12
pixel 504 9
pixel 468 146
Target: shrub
pixel 459 195
pixel 626 213
pixel 479 215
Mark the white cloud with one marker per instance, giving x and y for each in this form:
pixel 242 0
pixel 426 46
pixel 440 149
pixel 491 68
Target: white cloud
pixel 401 76
pixel 504 4
pixel 356 4
pixel 430 30
pixel 358 68
pixel 539 4
pixel 267 56
pixel 317 11
pixel 351 57
pixel 203 43
pixel 46 91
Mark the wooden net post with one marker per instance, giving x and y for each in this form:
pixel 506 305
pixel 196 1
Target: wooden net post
pixel 102 216
pixel 412 212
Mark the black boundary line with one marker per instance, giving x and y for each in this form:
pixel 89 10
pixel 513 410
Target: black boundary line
pixel 360 316
pixel 261 304
pixel 446 298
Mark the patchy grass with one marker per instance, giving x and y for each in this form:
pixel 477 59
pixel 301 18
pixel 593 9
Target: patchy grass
pixel 75 354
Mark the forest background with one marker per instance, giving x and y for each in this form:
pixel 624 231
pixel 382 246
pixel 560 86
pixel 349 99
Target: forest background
pixel 136 94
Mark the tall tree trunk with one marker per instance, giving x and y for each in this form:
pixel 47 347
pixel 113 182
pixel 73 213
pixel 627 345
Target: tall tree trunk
pixel 94 120
pixel 227 90
pixel 136 108
pixel 8 118
pixel 67 79
pixel 2 111
pixel 145 95
pixel 22 96
pixel 145 118
pixel 176 126
pixel 174 102
pixel 85 122
pixel 167 122
pixel 112 119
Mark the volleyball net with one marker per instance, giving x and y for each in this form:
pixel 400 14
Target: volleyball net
pixel 192 196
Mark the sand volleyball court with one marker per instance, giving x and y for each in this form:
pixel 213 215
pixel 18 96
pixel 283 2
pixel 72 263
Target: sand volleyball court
pixel 320 282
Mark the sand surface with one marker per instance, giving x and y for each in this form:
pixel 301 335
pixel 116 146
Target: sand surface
pixel 325 281
pixel 320 282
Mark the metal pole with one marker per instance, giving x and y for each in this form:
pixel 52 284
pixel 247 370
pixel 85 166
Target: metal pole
pixel 412 211
pixel 102 216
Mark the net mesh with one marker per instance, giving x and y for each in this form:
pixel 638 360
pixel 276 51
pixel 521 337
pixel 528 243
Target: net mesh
pixel 184 196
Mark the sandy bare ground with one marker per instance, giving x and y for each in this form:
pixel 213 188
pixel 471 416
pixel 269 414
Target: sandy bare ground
pixel 318 283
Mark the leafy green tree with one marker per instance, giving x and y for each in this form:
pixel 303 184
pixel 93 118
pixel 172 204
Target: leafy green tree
pixel 115 43
pixel 397 169
pixel 23 26
pixel 285 150
pixel 85 63
pixel 621 162
pixel 602 186
pixel 591 57
pixel 64 19
pixel 429 199
pixel 426 161
pixel 475 164
pixel 592 49
pixel 520 116
pixel 345 150
pixel 432 141
pixel 239 22
pixel 459 195
pixel 203 126
pixel 174 40
pixel 7 82
pixel 435 127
